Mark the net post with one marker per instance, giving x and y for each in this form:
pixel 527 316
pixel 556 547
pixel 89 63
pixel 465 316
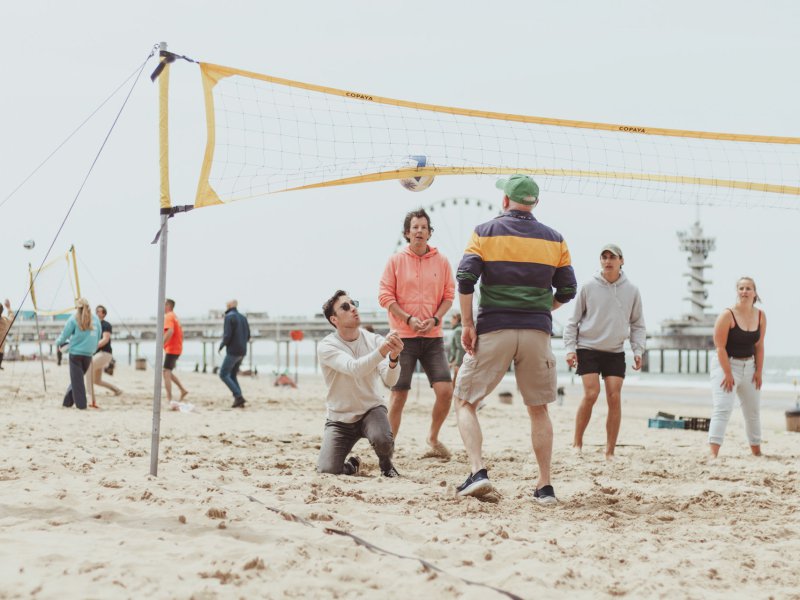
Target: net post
pixel 75 269
pixel 38 333
pixel 163 106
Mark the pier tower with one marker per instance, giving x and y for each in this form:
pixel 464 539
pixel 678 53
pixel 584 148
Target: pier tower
pixel 698 246
pixel 693 333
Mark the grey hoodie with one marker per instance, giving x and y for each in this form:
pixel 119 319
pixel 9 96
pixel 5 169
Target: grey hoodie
pixel 605 315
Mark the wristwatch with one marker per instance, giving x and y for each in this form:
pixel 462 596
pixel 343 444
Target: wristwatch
pixel 436 320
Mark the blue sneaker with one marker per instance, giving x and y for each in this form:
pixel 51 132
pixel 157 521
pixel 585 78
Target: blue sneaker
pixel 545 495
pixel 475 485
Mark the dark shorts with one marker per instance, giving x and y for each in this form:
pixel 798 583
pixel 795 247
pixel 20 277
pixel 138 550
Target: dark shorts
pixel 431 355
pixel 170 360
pixel 608 364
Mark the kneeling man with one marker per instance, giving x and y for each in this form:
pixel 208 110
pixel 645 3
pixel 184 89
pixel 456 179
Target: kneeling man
pixel 354 361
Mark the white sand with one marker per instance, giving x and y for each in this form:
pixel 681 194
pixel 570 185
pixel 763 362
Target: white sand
pixel 81 518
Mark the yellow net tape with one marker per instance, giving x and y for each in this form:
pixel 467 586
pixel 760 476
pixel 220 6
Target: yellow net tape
pixel 268 134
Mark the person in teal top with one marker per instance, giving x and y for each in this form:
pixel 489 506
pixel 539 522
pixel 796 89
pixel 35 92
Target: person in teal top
pixel 82 332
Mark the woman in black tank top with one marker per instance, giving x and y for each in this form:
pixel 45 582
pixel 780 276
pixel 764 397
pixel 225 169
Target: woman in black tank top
pixel 739 340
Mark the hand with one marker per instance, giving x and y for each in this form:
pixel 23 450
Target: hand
pixel 572 360
pixel 637 363
pixel 426 325
pixel 728 382
pixel 414 323
pixel 469 338
pixel 7 304
pixel 757 379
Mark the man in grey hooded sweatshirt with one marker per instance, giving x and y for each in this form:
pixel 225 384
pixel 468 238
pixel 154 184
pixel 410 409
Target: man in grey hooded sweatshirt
pixel 608 309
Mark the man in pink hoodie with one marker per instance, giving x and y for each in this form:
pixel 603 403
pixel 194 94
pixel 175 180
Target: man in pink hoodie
pixel 417 290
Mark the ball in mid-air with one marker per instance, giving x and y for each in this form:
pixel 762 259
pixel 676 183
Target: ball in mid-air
pixel 422 182
pixel 29 244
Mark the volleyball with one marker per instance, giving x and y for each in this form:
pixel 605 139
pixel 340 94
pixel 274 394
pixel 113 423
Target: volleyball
pixel 29 244
pixel 417 184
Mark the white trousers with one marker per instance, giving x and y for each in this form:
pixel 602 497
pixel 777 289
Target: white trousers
pixel 722 401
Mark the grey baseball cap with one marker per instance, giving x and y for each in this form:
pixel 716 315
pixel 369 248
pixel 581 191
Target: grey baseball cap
pixel 613 248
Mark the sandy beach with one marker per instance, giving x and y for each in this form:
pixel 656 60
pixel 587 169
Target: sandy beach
pixel 238 511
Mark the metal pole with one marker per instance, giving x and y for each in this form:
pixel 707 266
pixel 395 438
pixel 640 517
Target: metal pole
pixel 165 203
pixel 296 346
pixel 41 358
pixel 162 295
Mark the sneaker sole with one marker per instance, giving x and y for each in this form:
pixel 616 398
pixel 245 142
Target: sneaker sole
pixel 546 500
pixel 477 489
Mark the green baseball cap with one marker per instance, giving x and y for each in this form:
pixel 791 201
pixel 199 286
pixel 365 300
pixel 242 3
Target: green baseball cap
pixel 519 188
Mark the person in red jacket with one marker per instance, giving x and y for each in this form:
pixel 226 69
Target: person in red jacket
pixel 417 289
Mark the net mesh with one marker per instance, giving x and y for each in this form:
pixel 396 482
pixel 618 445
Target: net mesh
pixel 267 135
pixel 55 286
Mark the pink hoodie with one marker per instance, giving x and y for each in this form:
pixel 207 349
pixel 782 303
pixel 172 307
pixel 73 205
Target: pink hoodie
pixel 419 284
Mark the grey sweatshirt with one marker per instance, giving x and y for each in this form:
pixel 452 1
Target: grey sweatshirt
pixel 353 372
pixel 605 315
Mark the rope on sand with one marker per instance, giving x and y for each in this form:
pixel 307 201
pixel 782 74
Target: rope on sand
pixel 428 566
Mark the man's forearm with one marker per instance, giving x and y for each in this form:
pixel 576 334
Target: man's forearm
pixel 465 301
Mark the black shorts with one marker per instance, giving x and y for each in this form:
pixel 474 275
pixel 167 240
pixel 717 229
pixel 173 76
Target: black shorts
pixel 608 364
pixel 430 354
pixel 170 360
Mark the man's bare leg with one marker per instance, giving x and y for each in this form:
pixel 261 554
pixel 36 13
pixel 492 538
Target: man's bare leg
pixel 471 435
pixel 444 397
pixel 397 402
pixel 542 441
pixel 183 390
pixel 614 399
pixel 166 376
pixel 591 390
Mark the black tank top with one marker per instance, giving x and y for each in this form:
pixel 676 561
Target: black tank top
pixel 741 343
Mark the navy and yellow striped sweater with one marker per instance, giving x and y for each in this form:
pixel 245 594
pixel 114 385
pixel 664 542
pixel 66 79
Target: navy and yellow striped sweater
pixel 518 261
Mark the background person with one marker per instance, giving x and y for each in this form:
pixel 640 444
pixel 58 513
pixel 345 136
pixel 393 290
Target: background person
pixel 608 310
pixel 5 326
pixel 82 332
pixel 173 347
pixel 455 354
pixel 235 336
pixel 738 366
pixel 102 357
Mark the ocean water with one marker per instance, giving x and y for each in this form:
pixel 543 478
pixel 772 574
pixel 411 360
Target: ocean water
pixel 781 373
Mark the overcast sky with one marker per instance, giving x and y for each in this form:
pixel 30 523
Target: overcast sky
pixel 716 66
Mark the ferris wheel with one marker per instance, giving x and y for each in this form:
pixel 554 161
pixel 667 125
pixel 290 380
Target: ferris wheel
pixel 453 220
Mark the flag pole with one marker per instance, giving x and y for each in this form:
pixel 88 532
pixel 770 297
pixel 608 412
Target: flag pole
pixel 163 144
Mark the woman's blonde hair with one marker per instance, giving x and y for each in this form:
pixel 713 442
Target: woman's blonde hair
pixel 751 280
pixel 84 314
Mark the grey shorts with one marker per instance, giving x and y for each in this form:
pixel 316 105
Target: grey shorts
pixel 534 366
pixel 430 354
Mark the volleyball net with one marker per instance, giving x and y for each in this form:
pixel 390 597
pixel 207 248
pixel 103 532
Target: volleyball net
pixel 267 135
pixel 55 287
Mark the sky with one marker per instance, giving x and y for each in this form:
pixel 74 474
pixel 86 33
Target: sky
pixel 714 66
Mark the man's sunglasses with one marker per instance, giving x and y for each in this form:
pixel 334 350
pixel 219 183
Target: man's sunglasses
pixel 346 306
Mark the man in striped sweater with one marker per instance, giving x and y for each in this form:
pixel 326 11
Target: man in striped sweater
pixel 519 262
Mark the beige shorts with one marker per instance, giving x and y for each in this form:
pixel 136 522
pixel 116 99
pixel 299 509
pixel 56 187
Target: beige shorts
pixel 534 366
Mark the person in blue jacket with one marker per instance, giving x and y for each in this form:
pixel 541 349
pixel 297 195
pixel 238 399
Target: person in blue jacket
pixel 235 336
pixel 82 332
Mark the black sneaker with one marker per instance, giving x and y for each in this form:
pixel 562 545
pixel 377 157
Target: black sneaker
pixel 545 495
pixel 391 472
pixel 475 485
pixel 355 462
pixel 238 402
